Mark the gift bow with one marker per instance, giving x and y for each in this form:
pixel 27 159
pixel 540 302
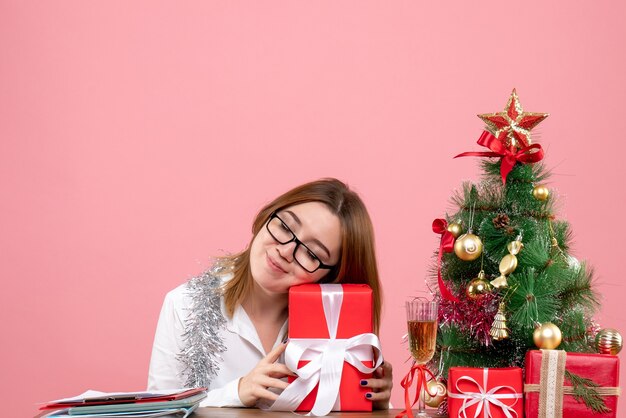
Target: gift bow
pixel 440 226
pixel 327 358
pixel 485 398
pixel 530 154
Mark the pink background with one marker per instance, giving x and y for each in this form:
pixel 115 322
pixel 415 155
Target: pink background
pixel 140 138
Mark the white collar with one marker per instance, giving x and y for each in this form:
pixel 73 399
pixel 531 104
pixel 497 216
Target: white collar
pixel 242 325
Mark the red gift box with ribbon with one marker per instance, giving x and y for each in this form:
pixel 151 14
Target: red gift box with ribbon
pixel 331 348
pixel 488 392
pixel 548 391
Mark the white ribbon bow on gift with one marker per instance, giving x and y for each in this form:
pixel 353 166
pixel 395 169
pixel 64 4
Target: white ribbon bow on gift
pixel 327 357
pixel 485 398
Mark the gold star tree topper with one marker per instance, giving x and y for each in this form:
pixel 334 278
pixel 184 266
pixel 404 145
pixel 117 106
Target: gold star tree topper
pixel 513 125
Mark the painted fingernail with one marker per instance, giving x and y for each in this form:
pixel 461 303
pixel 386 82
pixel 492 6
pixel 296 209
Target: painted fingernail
pixel 368 395
pixel 363 382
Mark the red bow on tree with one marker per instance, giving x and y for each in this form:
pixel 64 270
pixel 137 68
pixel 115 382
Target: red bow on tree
pixel 529 154
pixel 440 226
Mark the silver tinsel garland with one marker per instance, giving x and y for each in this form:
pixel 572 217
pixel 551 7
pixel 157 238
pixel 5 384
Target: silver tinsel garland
pixel 202 342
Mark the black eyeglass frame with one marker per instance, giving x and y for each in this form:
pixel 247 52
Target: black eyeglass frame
pixel 299 243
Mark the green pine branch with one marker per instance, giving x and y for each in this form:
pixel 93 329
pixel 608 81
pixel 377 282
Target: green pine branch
pixel 533 299
pixel 585 391
pixel 496 235
pixel 456 348
pixel 521 173
pixel 535 253
pixel 573 326
pixel 563 234
pixel 579 290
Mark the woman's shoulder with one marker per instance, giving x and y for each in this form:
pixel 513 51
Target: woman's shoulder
pixel 177 295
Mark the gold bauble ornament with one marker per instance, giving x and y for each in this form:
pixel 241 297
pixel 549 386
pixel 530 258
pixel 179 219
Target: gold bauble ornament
pixel 609 341
pixel 478 287
pixel 455 229
pixel 468 247
pixel 547 336
pixel 441 391
pixel 541 192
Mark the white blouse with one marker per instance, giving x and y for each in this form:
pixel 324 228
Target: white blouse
pixel 243 350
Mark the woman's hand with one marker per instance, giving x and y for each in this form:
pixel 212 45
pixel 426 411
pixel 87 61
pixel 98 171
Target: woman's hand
pixel 381 384
pixel 266 374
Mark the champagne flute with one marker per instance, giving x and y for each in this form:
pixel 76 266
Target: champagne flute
pixel 421 316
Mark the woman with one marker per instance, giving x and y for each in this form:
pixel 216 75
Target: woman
pixel 225 329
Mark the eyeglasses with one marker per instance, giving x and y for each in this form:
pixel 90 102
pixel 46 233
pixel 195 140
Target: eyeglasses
pixel 306 258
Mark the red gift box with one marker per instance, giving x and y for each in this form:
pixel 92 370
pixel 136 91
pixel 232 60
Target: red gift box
pixel 546 389
pixel 308 320
pixel 489 392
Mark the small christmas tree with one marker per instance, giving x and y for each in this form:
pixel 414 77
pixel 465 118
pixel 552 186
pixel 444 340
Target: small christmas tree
pixel 504 273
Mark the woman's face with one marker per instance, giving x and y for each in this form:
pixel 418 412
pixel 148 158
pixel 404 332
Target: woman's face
pixel 272 264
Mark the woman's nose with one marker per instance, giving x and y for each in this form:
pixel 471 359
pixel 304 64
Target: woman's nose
pixel 286 250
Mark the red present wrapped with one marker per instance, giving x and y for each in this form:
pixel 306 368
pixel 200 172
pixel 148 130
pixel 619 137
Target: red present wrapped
pixel 489 392
pixel 548 391
pixel 331 348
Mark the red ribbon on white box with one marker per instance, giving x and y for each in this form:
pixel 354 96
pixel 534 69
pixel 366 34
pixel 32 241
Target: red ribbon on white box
pixel 485 398
pixel 327 357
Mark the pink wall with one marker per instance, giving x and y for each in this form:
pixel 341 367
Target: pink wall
pixel 137 139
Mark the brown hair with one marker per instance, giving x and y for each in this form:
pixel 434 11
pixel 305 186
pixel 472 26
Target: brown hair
pixel 357 262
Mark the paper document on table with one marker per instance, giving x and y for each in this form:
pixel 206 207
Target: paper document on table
pixel 137 407
pixel 93 398
pixel 94 395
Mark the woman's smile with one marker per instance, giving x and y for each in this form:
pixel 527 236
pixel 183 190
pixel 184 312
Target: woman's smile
pixel 274 265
